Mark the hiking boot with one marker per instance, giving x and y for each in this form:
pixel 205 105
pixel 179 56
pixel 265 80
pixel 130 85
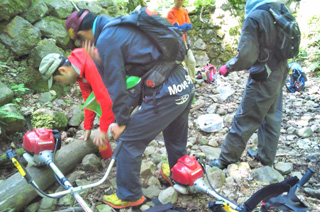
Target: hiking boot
pixel 114 201
pixel 217 163
pixel 165 172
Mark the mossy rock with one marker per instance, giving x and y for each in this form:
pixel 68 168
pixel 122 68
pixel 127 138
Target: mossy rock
pixel 42 86
pixel 44 118
pixel 28 76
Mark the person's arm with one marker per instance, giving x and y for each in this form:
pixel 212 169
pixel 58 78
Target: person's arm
pixel 88 114
pixel 114 78
pixel 171 18
pixel 248 47
pixel 188 22
pixel 102 96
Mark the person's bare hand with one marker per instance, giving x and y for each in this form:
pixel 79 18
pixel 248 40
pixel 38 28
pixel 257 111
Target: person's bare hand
pixel 86 135
pixel 117 130
pixel 89 48
pixel 100 139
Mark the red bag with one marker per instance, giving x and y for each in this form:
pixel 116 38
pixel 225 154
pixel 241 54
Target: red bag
pixel 210 73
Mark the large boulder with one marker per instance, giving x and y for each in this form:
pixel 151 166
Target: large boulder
pixel 6 94
pixel 61 9
pixel 12 120
pixel 51 27
pixel 20 36
pixel 10 8
pixel 44 118
pixel 36 12
pixel 43 48
pixel 5 53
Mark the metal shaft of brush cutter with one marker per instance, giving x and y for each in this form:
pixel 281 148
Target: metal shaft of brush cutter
pixel 199 185
pixel 113 160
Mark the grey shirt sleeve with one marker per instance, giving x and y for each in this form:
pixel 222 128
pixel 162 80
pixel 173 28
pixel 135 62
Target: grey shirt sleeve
pixel 248 47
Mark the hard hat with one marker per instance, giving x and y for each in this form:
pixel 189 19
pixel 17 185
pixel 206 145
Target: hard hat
pixel 49 64
pixel 73 23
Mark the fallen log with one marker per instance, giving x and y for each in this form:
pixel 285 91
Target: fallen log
pixel 16 193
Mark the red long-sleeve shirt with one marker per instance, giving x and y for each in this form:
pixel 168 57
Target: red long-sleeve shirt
pixel 89 81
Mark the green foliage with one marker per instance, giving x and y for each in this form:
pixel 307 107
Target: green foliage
pixel 19 90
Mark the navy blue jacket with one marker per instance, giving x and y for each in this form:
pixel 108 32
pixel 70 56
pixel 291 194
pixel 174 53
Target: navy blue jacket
pixel 121 46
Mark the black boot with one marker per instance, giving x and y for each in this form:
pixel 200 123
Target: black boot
pixel 217 163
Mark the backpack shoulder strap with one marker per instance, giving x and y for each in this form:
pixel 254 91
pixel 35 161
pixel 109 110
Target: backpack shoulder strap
pixel 264 7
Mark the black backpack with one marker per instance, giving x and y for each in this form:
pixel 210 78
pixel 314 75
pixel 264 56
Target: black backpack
pixel 167 38
pixel 289 35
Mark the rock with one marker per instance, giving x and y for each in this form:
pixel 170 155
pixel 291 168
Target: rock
pixel 305 132
pixel 13 7
pixel 216 177
pixel 267 175
pixel 150 150
pixel 12 120
pixel 151 192
pixel 35 12
pixel 66 200
pixel 239 171
pixel 104 208
pixel 6 94
pixel 154 181
pixel 291 130
pixel 201 58
pixel 313 192
pixel 91 162
pixel 211 152
pixel 212 108
pixel 45 97
pixel 147 169
pixel 168 195
pixel 199 45
pixel 54 28
pixel 5 54
pixel 34 207
pixel 284 168
pixel 48 119
pixel 20 36
pixel 77 116
pixel 61 9
pixel 47 204
pixel 228 118
pixel 107 3
pixel 42 49
pixel 144 207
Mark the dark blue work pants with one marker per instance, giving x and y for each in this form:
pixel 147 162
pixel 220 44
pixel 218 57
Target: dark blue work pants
pixel 168 114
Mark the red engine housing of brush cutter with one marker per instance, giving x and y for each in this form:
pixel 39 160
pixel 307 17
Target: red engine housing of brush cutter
pixel 186 171
pixel 38 140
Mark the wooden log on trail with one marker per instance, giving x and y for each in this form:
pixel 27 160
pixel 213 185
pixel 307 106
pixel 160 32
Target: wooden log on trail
pixel 16 193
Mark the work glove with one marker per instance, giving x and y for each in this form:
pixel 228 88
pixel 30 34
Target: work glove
pixel 224 71
pixel 182 27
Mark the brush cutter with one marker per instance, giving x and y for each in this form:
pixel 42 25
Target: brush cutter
pixel 188 176
pixel 41 145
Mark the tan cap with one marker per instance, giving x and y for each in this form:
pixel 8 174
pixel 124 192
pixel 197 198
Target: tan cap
pixel 49 64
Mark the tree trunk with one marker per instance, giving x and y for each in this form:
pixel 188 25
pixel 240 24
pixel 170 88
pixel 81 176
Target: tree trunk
pixel 16 193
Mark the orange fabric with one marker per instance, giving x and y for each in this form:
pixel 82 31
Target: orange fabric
pixel 89 72
pixel 178 16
